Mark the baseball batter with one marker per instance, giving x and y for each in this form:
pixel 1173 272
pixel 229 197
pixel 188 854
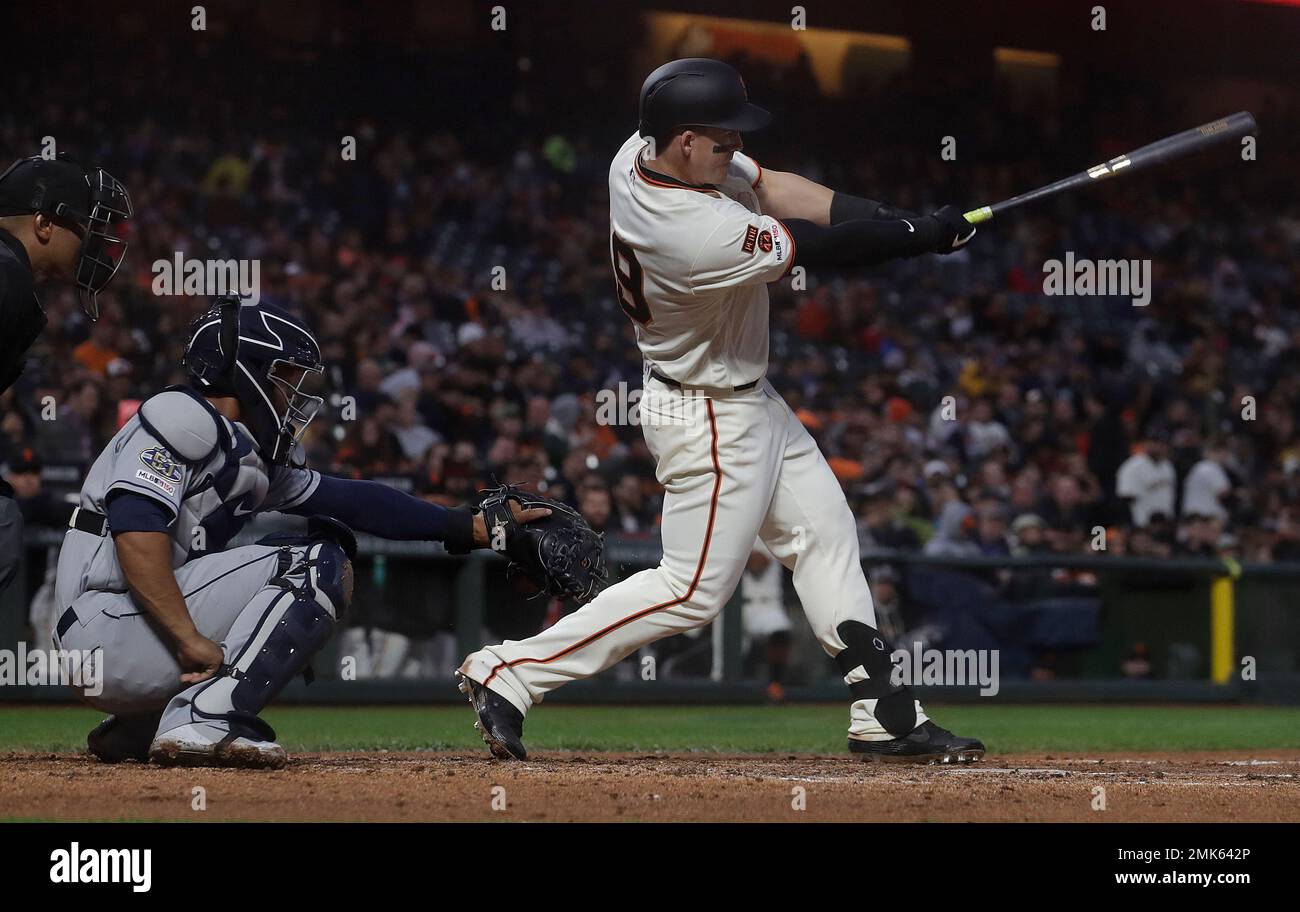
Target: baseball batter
pixel 196 638
pixel 698 230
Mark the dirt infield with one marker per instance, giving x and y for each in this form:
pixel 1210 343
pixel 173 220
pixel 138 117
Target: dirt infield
pixel 1222 786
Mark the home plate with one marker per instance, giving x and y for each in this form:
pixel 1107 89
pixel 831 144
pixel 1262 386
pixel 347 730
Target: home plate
pixel 1002 771
pixel 1251 762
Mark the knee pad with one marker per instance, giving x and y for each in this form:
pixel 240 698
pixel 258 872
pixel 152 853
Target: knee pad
pixel 320 570
pixel 327 572
pixel 327 528
pixel 866 649
pixel 320 528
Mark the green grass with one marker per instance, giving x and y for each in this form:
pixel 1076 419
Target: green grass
pixel 812 728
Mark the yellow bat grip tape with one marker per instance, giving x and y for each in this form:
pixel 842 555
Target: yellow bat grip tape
pixel 975 216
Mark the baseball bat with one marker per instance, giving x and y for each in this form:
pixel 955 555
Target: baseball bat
pixel 1232 127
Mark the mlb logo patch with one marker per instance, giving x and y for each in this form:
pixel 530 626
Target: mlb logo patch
pixel 161 484
pixel 777 244
pixel 751 235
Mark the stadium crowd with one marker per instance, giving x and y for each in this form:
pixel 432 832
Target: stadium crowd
pixel 964 411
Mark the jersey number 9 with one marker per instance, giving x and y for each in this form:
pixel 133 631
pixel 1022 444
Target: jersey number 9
pixel 627 273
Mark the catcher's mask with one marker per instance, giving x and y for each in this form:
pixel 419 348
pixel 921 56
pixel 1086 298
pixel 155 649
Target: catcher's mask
pixel 87 201
pixel 265 357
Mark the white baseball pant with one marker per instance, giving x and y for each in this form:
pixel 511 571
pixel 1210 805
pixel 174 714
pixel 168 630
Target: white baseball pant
pixel 734 465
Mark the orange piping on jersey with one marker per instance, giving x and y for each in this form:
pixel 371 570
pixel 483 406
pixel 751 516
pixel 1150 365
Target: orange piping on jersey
pixel 758 180
pixel 699 571
pixel 680 185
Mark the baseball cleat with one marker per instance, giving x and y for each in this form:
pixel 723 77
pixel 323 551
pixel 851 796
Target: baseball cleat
pixel 120 738
pixel 499 723
pixel 205 744
pixel 927 743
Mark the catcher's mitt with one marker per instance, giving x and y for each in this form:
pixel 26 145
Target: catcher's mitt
pixel 561 553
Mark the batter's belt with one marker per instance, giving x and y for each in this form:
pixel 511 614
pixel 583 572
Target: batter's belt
pixel 667 381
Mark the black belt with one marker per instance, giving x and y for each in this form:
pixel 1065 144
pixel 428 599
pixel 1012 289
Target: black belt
pixel 85 520
pixel 675 385
pixel 69 618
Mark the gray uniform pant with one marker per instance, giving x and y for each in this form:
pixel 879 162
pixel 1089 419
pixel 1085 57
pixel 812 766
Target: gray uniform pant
pixel 139 674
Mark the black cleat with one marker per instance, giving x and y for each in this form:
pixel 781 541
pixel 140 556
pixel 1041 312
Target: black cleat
pixel 120 738
pixel 927 743
pixel 500 724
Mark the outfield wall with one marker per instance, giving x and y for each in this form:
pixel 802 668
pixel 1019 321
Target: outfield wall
pixel 1213 630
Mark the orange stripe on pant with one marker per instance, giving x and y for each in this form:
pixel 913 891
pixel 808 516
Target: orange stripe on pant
pixel 699 571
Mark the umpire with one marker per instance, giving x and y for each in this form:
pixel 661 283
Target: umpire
pixel 56 226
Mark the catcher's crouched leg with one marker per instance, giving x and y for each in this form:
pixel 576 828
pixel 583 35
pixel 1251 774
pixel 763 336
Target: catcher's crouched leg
pixel 121 737
pixel 272 641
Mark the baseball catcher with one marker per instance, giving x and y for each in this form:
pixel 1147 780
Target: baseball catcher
pixel 198 638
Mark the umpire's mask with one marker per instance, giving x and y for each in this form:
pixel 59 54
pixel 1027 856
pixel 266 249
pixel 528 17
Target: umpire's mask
pixel 87 201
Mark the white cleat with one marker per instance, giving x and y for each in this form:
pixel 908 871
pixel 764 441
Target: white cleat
pixel 204 744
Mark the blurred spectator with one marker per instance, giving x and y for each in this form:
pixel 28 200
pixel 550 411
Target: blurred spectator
pixel 1147 481
pixel 1137 664
pixel 1208 484
pixel 595 504
pixel 765 622
pixel 455 376
pixel 882 526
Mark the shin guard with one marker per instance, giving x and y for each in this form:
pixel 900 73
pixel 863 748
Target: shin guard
pixel 275 638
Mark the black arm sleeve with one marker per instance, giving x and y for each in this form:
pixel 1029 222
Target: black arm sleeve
pixel 860 242
pixel 845 207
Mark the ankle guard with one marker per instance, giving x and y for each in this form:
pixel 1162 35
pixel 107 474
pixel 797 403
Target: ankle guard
pixel 868 669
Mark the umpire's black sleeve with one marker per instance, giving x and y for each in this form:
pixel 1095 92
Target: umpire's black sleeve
pixel 21 316
pixel 11 356
pixel 861 242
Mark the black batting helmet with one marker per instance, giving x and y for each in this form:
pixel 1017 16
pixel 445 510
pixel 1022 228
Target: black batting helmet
pixel 697 92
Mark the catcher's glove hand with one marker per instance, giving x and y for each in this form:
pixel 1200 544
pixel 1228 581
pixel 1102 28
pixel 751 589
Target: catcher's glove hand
pixel 561 553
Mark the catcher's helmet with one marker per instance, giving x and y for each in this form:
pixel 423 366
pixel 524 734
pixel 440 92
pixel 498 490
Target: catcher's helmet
pixel 87 200
pixel 697 92
pixel 261 355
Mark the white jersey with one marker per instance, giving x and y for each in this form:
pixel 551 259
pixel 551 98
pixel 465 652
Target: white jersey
pixel 692 263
